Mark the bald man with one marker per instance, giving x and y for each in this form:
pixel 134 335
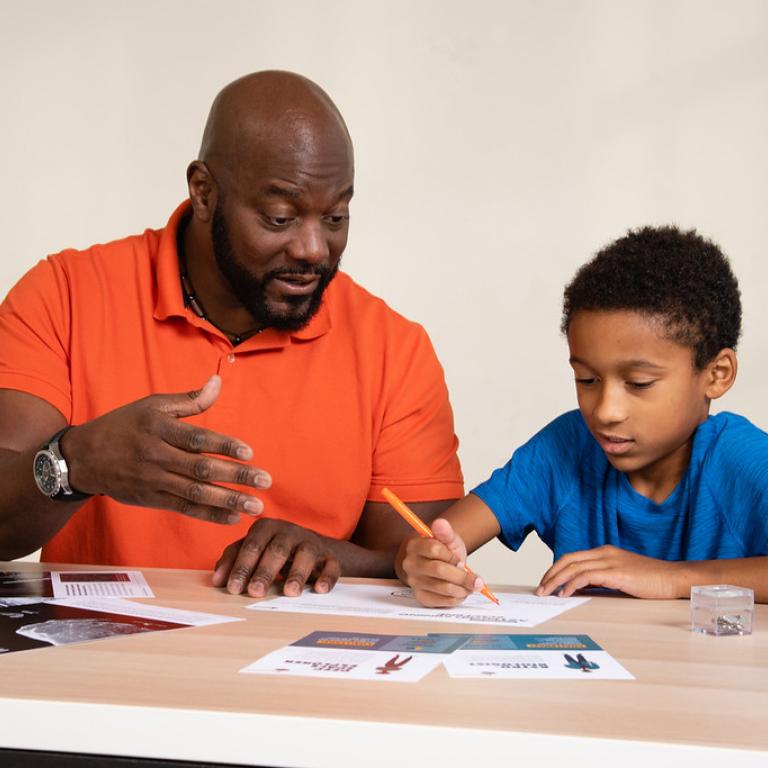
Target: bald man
pixel 298 394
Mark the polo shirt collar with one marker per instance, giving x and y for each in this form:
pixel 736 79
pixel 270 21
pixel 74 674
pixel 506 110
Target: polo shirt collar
pixel 169 300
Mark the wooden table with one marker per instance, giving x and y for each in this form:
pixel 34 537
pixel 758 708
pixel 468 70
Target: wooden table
pixel 178 695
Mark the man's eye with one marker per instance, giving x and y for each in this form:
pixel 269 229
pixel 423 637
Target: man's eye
pixel 277 222
pixel 336 219
pixel 640 384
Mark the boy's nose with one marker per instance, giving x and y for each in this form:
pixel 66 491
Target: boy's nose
pixel 609 408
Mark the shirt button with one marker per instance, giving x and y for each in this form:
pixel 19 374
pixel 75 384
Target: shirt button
pixel 231 358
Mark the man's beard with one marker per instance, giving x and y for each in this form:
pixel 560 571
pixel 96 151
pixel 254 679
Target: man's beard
pixel 251 291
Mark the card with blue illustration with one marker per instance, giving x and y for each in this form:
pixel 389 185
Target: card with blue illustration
pixel 512 656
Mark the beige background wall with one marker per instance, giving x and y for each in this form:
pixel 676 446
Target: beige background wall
pixel 498 145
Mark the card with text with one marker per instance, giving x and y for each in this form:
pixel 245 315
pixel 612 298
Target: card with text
pixel 574 657
pixel 359 656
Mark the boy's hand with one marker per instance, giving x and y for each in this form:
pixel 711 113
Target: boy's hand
pixel 614 568
pixel 434 567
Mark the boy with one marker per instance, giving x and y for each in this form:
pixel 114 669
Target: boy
pixel 640 490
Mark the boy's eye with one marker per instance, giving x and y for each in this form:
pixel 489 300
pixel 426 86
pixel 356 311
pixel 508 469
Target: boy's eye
pixel 585 381
pixel 640 384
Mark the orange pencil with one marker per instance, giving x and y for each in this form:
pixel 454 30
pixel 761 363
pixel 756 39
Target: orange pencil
pixel 424 530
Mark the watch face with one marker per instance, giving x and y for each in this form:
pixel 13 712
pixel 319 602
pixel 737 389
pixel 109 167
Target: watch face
pixel 47 473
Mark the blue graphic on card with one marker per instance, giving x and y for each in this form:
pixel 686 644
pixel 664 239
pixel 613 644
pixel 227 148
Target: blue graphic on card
pixel 505 642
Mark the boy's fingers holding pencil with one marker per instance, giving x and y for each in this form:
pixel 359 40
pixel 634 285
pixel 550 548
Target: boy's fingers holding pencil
pixel 444 533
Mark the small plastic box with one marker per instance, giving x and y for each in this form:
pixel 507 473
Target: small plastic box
pixel 721 609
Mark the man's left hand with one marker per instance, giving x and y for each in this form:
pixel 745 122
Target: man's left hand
pixel 270 548
pixel 613 568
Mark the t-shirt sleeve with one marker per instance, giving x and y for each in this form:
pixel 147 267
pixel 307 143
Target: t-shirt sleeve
pixel 528 491
pixel 34 336
pixel 736 472
pixel 415 454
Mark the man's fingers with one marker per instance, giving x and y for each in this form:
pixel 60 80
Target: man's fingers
pixel 191 495
pixel 302 565
pixel 199 511
pixel 190 403
pixel 193 439
pixel 248 552
pixel 329 574
pixel 224 564
pixel 208 469
pixel 274 557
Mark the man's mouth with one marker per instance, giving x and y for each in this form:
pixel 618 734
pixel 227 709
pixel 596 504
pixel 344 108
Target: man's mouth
pixel 296 285
pixel 615 445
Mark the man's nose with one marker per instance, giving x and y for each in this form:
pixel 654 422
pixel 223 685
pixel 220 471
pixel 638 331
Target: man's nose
pixel 310 244
pixel 610 405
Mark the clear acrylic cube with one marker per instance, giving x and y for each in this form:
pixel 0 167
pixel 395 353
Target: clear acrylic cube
pixel 720 609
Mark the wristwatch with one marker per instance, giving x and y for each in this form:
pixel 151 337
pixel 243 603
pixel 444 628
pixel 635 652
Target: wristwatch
pixel 52 474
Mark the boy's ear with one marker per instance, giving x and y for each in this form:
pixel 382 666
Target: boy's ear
pixel 721 373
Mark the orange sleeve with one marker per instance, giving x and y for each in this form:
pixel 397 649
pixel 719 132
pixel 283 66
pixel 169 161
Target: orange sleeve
pixel 34 336
pixel 415 453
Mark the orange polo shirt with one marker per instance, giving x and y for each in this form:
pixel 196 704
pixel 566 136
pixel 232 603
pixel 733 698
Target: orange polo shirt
pixel 354 401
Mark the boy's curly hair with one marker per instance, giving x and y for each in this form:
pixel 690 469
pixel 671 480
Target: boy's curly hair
pixel 679 277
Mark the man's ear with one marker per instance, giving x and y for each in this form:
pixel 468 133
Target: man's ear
pixel 202 190
pixel 721 373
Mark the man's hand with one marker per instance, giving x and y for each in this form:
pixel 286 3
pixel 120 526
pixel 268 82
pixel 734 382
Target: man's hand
pixel 434 567
pixel 270 548
pixel 614 568
pixel 143 454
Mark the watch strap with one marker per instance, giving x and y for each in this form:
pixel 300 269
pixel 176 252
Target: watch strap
pixel 66 492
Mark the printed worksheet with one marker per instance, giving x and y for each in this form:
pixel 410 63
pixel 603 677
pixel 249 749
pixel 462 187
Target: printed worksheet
pixel 572 657
pixel 74 584
pixel 359 656
pixel 397 602
pixel 27 624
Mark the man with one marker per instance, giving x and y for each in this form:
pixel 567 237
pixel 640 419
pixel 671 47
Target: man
pixel 320 396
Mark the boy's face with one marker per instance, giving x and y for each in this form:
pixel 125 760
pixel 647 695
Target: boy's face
pixel 639 393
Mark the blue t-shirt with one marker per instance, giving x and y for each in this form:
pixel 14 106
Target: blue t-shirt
pixel 561 485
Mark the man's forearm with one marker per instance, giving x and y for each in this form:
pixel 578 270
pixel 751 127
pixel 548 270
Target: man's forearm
pixel 749 572
pixel 27 518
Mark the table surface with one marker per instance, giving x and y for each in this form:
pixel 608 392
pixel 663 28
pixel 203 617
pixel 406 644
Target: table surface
pixel 693 692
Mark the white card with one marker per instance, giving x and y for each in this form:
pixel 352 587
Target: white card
pixel 100 584
pixel 561 657
pixel 359 656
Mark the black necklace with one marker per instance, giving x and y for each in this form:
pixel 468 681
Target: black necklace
pixel 191 301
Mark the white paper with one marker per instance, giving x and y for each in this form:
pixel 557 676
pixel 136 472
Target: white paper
pixel 100 584
pixel 146 611
pixel 396 602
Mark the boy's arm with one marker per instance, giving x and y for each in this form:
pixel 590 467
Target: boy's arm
pixel 641 576
pixel 430 566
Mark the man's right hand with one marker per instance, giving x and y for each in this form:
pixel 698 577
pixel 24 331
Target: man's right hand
pixel 434 567
pixel 144 454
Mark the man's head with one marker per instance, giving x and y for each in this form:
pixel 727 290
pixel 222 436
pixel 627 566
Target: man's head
pixel 272 186
pixel 652 323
